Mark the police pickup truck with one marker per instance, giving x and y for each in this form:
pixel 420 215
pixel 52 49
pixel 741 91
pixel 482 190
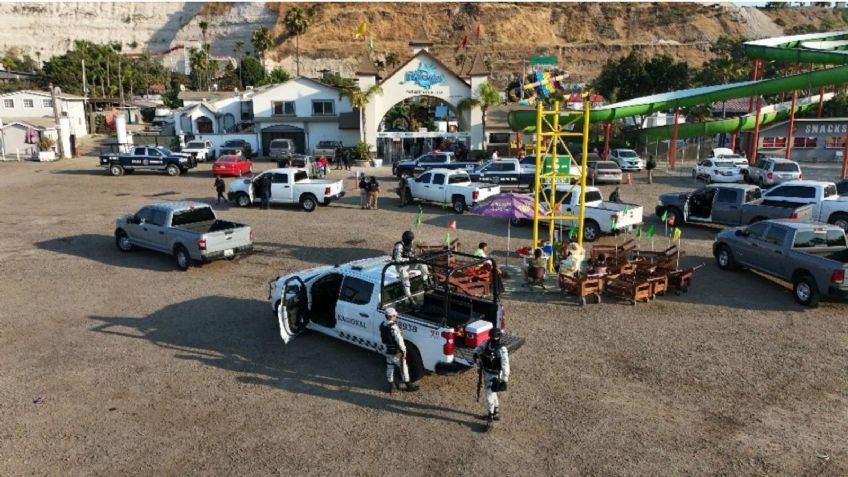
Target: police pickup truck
pixel 148 158
pixel 432 160
pixel 448 186
pixel 347 302
pixel 187 230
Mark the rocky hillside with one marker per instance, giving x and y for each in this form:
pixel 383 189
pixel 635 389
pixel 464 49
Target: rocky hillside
pixel 582 35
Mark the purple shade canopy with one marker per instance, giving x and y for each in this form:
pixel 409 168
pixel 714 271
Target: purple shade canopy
pixel 506 206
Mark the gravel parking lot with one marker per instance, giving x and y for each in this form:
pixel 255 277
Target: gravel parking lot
pixel 140 369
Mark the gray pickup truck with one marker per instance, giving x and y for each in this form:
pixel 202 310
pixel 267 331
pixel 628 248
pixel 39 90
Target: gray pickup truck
pixel 810 256
pixel 727 204
pixel 187 230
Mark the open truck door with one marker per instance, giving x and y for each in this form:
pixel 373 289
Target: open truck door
pixel 293 311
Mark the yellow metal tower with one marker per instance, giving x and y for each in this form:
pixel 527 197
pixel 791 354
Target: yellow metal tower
pixel 551 175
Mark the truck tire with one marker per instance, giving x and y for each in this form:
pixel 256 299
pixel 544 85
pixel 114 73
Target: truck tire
pixel 724 258
pixel 805 291
pixel 458 205
pixel 173 170
pixel 591 231
pixel 308 202
pixel 116 170
pixel 839 219
pixel 414 364
pixel 243 200
pixel 122 241
pixel 182 257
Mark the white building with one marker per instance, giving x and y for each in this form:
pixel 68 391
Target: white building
pixel 29 104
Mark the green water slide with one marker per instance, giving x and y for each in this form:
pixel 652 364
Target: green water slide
pixel 818 48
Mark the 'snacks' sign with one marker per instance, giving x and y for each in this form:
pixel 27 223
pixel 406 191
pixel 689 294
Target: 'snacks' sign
pixel 826 128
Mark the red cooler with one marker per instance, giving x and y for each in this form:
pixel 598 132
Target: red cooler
pixel 477 333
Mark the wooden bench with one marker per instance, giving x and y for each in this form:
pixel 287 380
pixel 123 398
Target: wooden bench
pixel 581 287
pixel 615 253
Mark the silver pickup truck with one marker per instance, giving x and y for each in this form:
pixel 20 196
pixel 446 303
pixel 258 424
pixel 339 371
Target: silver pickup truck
pixel 187 230
pixel 727 204
pixel 810 256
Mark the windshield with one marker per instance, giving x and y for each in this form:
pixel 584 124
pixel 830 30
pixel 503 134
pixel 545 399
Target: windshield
pixel 830 190
pixel 234 143
pixel 326 145
pixel 627 153
pixel 194 145
pixel 786 167
pixel 164 150
pixel 724 164
pixel 192 215
pixel 276 143
pixel 227 159
pixel 607 166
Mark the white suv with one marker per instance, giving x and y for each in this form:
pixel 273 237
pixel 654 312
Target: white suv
pixel 627 159
pixel 772 171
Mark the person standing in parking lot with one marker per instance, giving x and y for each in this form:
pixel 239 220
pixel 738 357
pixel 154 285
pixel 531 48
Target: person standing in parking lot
pixel 363 191
pixel 493 359
pixel 373 193
pixel 220 188
pixel 264 187
pixel 395 352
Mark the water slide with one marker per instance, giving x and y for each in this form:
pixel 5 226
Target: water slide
pixel 816 48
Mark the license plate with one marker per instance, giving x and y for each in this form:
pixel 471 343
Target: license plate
pixel 228 252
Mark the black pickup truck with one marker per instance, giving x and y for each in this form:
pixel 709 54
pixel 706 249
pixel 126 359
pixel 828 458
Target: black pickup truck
pixel 148 158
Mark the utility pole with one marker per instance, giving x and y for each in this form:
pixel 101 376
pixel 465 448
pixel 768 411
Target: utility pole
pixel 60 143
pixel 84 82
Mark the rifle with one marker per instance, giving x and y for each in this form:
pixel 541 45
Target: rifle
pixel 479 381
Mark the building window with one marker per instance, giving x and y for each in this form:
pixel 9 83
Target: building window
pixel 9 103
pixel 499 138
pixel 835 142
pixel 204 125
pixel 47 103
pixel 28 103
pixel 774 143
pixel 805 142
pixel 324 107
pixel 283 108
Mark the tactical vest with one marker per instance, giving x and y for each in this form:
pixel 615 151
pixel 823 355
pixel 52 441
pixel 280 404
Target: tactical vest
pixel 491 359
pixel 388 338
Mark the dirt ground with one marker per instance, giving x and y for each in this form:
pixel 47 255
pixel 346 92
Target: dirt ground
pixel 140 369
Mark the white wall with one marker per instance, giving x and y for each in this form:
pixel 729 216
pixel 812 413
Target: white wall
pixel 302 92
pixel 75 109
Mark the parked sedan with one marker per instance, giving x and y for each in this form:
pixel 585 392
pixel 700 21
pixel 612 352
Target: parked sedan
pixel 603 171
pixel 627 159
pixel 232 165
pixel 712 170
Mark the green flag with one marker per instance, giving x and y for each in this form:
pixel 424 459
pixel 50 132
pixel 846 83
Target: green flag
pixel 664 216
pixel 612 224
pixel 572 232
pixel 624 212
pixel 639 233
pixel 650 232
pixel 418 217
pixel 447 238
pixel 370 44
pixel 676 235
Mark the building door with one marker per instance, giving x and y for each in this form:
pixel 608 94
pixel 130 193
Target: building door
pixel 284 131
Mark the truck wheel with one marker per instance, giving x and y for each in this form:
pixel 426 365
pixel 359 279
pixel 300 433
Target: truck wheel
pixel 518 222
pixel 724 258
pixel 840 220
pixel 414 364
pixel 459 205
pixel 182 257
pixel 308 202
pixel 116 170
pixel 805 291
pixel 242 200
pixel 123 241
pixel 172 170
pixel 591 231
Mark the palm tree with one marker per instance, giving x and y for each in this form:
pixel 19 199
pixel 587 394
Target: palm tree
pixel 487 96
pixel 360 99
pixel 392 60
pixel 297 22
pixel 204 25
pixel 239 45
pixel 261 41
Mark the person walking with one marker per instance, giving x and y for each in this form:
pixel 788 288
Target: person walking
pixel 363 191
pixel 395 352
pixel 264 187
pixel 220 188
pixel 615 196
pixel 650 166
pixel 373 192
pixel 403 252
pixel 493 359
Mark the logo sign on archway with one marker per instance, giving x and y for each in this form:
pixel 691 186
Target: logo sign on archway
pixel 426 76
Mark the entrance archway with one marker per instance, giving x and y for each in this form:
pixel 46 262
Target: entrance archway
pixel 419 124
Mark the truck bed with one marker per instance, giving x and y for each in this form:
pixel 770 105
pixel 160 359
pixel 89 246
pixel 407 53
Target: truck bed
pixel 466 353
pixel 206 227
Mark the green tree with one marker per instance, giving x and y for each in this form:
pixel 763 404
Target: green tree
pixel 666 75
pixel 261 41
pixel 359 99
pixel 392 60
pixel 251 71
pixel 204 26
pixel 279 75
pixel 486 97
pixel 297 21
pixel 199 65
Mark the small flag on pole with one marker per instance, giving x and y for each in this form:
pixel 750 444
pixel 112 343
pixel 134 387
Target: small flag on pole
pixel 676 234
pixel 370 44
pixel 613 224
pixel 452 225
pixel 447 238
pixel 418 217
pixel 664 216
pixel 651 232
pixel 361 30
pixel 464 42
pixel 479 30
pixel 639 233
pixel 572 232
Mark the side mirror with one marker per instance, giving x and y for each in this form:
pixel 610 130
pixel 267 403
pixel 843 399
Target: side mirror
pixel 742 233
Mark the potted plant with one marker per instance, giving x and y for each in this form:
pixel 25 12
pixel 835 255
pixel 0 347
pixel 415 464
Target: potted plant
pixel 363 154
pixel 45 149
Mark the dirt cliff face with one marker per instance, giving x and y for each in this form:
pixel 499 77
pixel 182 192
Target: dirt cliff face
pixel 582 35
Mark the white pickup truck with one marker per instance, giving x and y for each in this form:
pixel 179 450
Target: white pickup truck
pixel 346 302
pixel 449 186
pixel 599 217
pixel 288 186
pixel 828 206
pixel 202 151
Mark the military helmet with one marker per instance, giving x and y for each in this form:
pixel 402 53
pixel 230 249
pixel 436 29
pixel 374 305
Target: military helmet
pixel 496 334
